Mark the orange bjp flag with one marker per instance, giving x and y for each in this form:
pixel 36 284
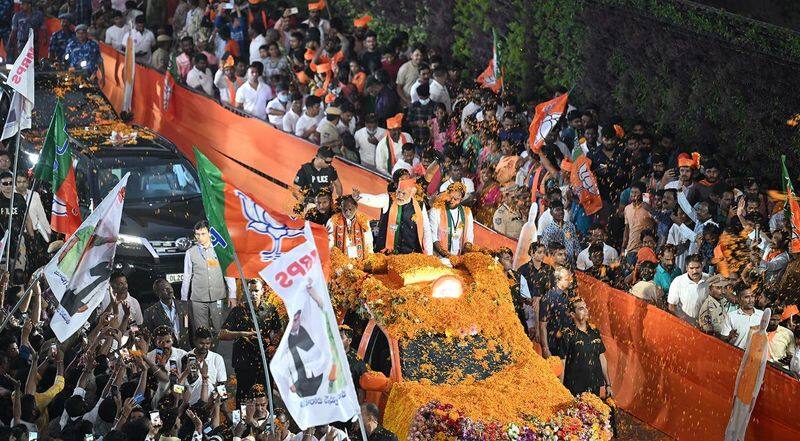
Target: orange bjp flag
pixel 584 184
pixel 546 118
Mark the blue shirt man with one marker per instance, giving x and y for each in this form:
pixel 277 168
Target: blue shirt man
pixel 23 21
pixel 60 39
pixel 6 12
pixel 82 53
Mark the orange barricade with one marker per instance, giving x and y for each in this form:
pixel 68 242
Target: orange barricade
pixel 677 379
pixel 665 373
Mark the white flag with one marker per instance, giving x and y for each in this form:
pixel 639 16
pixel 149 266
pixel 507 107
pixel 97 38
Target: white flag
pixel 79 273
pixel 310 366
pixel 21 79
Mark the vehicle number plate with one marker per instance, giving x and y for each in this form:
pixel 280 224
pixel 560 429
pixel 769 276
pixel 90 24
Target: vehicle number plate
pixel 174 278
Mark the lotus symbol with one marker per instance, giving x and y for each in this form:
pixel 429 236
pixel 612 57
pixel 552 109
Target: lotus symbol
pixel 260 222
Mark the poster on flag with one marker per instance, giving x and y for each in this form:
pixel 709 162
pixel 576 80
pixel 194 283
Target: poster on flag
pixel 78 274
pixel 545 119
pixel 238 222
pixel 310 366
pixel 21 80
pixel 584 184
pixel 749 380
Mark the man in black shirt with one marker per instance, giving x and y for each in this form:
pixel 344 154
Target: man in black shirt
pixel 536 279
pixel 375 432
pixel 317 175
pixel 322 210
pixel 18 211
pixel 246 356
pixel 585 368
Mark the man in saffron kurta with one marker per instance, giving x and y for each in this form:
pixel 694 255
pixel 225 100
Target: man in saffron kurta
pixel 391 146
pixel 350 231
pixel 403 227
pixel 451 223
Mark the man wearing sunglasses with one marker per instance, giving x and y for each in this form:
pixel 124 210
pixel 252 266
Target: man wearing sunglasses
pixel 6 193
pixel 317 175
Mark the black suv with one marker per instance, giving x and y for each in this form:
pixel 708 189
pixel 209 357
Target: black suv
pixel 162 201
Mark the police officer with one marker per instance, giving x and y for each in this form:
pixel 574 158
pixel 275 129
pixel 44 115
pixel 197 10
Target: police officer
pixel 60 39
pixel 83 53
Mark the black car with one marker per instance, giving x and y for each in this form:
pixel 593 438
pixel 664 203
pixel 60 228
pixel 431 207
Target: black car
pixel 163 200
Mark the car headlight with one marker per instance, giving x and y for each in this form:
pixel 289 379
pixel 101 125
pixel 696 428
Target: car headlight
pixel 127 239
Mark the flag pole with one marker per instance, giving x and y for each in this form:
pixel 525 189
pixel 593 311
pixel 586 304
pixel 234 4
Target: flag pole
pixel 25 215
pixel 13 186
pixel 263 354
pixel 34 281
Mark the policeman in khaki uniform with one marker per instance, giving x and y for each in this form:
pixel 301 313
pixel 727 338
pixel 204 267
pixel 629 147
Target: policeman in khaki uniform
pixel 713 310
pixel 328 133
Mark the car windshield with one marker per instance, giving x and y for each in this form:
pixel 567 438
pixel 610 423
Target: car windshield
pixel 152 178
pixel 450 360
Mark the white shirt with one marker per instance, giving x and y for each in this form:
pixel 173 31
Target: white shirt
pixel 610 255
pixel 547 218
pixel 350 127
pixel 742 324
pixel 402 164
pixel 254 100
pixel 115 36
pixel 413 94
pixel 677 236
pixel 216 367
pixel 466 181
pixel 176 354
pixel 382 151
pixel 794 365
pixel 324 27
pixel 136 309
pixel 221 82
pixel 256 43
pixel 37 215
pixel 382 202
pixel 698 234
pixel 365 148
pixel 289 121
pixel 199 80
pixel 462 228
pixel 352 252
pixel 276 104
pixel 688 294
pixel 143 42
pixel 306 122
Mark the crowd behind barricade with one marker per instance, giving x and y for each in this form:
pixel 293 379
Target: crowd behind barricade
pixel 675 229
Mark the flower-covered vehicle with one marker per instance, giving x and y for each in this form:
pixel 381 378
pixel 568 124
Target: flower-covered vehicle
pixel 448 354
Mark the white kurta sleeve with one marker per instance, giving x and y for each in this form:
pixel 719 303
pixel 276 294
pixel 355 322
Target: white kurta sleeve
pixel 380 201
pixel 469 228
pixel 427 245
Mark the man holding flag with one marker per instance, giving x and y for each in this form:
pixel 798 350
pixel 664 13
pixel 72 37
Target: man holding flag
pixel 792 209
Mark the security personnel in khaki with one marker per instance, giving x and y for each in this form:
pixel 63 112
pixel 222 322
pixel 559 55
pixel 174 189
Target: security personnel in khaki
pixel 328 133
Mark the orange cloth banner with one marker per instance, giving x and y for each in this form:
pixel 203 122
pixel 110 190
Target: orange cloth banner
pixel 665 373
pixel 678 379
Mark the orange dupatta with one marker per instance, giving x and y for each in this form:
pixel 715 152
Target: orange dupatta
pixel 391 226
pixel 390 146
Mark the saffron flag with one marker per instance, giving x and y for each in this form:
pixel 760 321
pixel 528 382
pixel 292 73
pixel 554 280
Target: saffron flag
pixel 55 166
pixel 21 80
pixel 749 379
pixel 169 87
pixel 78 274
pixel 310 366
pixel 584 184
pixel 792 214
pixel 240 224
pixel 129 73
pixel 545 119
pixel 492 76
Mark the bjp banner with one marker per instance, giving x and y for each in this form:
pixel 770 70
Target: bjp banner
pixel 546 118
pixel 241 227
pixel 310 366
pixel 584 184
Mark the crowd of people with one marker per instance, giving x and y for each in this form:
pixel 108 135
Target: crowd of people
pixel 675 229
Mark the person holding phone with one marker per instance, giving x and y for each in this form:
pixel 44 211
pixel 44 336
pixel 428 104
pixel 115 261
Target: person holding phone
pixel 164 360
pixel 210 364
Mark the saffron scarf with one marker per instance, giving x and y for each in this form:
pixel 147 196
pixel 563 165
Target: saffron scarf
pixel 445 218
pixel 395 215
pixel 392 159
pixel 355 232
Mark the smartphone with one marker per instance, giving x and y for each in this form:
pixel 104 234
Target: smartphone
pixel 236 417
pixel 155 418
pixel 178 388
pixel 294 11
pixel 243 410
pixel 138 399
pixel 125 354
pixel 53 350
pixel 223 393
pixel 33 436
pixel 114 389
pixel 134 329
pixel 87 437
pixel 207 430
pixel 173 366
pixel 227 6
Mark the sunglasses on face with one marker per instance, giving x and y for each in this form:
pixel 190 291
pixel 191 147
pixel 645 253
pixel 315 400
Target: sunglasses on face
pixel 5 183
